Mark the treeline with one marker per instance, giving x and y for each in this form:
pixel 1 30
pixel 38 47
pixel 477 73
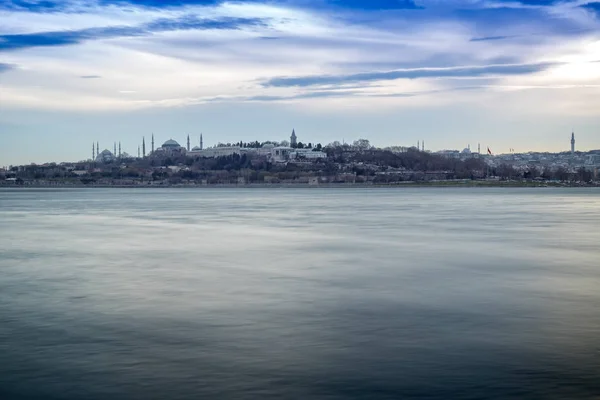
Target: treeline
pixel 509 172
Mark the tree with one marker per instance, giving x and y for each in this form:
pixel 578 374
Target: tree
pixel 362 144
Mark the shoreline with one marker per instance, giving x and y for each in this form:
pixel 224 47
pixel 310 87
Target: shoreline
pixel 447 184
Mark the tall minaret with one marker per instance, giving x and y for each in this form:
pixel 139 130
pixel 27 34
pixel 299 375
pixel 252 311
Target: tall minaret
pixel 153 143
pixel 93 151
pixel 572 143
pixel 479 148
pixel 138 151
pixel 119 149
pixel 188 143
pixel 418 145
pixel 293 139
pixel 97 149
pixel 115 149
pixel 143 146
pixel 201 143
pixel 423 145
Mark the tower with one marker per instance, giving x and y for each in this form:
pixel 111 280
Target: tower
pixel 93 151
pixel 418 145
pixel 423 145
pixel 153 143
pixel 119 149
pixel 188 143
pixel 138 151
pixel 293 139
pixel 479 148
pixel 97 149
pixel 572 143
pixel 144 146
pixel 201 144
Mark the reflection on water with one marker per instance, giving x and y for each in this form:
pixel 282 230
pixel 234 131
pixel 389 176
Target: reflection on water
pixel 300 293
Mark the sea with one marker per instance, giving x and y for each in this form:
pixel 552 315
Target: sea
pixel 300 293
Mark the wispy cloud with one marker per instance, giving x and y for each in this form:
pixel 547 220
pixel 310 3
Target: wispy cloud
pixel 6 67
pixel 594 7
pixel 416 73
pixel 490 38
pixel 62 38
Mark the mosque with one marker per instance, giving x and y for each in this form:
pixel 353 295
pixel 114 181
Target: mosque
pixel 105 156
pixel 173 148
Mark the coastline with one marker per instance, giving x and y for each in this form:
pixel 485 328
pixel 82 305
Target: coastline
pixel 433 184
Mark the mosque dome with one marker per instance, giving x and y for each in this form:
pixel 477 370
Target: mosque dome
pixel 105 156
pixel 197 148
pixel 171 144
pixel 466 151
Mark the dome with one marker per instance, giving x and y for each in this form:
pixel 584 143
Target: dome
pixel 170 143
pixel 105 156
pixel 268 146
pixel 466 151
pixel 197 148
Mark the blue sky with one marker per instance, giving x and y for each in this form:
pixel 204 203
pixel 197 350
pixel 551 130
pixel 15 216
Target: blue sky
pixel 506 74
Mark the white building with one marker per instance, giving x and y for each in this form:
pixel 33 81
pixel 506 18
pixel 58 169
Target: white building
pixel 281 154
pixel 307 154
pixel 213 152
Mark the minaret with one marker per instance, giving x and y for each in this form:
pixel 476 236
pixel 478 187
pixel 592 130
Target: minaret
pixel 479 148
pixel 573 143
pixel 119 149
pixel 418 145
pixel 143 146
pixel 423 146
pixel 201 144
pixel 93 151
pixel 97 149
pixel 138 151
pixel 188 143
pixel 115 149
pixel 153 143
pixel 293 139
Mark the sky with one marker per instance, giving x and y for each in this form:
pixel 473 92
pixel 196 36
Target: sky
pixel 452 73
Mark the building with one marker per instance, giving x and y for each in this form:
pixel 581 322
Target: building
pixel 307 154
pixel 293 139
pixel 213 152
pixel 281 153
pixel 573 143
pixel 105 157
pixel 169 148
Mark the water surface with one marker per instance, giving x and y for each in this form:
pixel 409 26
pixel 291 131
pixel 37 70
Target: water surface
pixel 300 293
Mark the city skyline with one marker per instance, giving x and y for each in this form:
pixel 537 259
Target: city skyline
pixel 507 74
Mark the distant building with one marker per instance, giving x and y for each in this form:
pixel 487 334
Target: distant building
pixel 307 154
pixel 170 147
pixel 105 157
pixel 572 143
pixel 293 139
pixel 281 153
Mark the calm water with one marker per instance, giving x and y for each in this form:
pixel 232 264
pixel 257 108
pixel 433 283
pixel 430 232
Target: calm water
pixel 300 293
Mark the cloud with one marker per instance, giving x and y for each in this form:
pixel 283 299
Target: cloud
pixel 90 77
pixel 6 67
pixel 62 38
pixel 378 4
pixel 593 7
pixel 417 73
pixel 489 38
